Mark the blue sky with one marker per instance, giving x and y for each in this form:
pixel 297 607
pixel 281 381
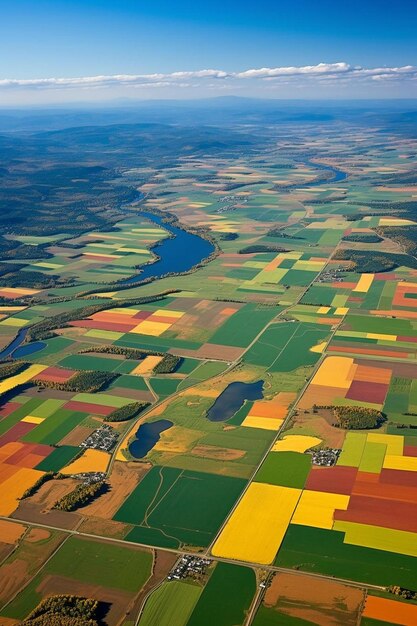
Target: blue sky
pixel 59 39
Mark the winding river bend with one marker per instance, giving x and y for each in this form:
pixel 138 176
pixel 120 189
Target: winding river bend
pixel 338 175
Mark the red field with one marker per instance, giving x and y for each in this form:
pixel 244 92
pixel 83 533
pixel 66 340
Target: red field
pixel 87 407
pixel 336 479
pixel 380 512
pixel 56 374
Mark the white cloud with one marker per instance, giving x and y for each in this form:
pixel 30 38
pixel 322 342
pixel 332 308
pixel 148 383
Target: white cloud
pixel 320 73
pixel 321 68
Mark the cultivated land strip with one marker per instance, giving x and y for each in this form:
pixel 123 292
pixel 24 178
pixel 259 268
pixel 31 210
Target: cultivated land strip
pixel 269 568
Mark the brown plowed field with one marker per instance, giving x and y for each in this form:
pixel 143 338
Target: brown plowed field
pixel 322 602
pixel 37 534
pixel 76 436
pixel 12 577
pixel 104 527
pixel 34 513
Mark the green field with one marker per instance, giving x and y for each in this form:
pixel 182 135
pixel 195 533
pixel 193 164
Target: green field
pixel 55 427
pixel 215 606
pixel 171 604
pixel 59 458
pixel 323 551
pixel 289 469
pixel 183 506
pixel 286 346
pixel 242 327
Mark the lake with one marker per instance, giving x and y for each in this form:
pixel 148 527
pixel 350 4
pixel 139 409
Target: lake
pixel 177 254
pixel 147 436
pixel 232 398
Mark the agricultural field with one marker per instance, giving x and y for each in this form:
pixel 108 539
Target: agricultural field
pixel 117 575
pixel 220 363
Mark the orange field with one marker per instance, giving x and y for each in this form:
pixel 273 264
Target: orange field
pixel 390 611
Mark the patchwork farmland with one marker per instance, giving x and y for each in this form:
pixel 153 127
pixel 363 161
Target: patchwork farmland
pixel 244 429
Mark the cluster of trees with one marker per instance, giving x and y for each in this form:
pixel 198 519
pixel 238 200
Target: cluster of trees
pixel 229 236
pixel 89 381
pixel 328 200
pixel 408 594
pixel 127 412
pixel 169 364
pixel 363 237
pixel 129 353
pixel 277 231
pixel 368 261
pixel 80 496
pixel 12 369
pixel 64 610
pixel 32 279
pixel 358 417
pixel 260 247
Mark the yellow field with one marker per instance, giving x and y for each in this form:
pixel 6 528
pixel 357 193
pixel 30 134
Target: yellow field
pixel 407 463
pixel 23 377
pixel 295 443
pixel 257 526
pixel 364 283
pixel 15 486
pixel 147 365
pixel 341 310
pixel 335 371
pixel 151 328
pixel 90 461
pixel 319 348
pixel 110 335
pixel 32 419
pixel 267 423
pixel 323 310
pixel 14 321
pixel 267 409
pixel 394 221
pixel 11 309
pixel 316 508
pixel 381 336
